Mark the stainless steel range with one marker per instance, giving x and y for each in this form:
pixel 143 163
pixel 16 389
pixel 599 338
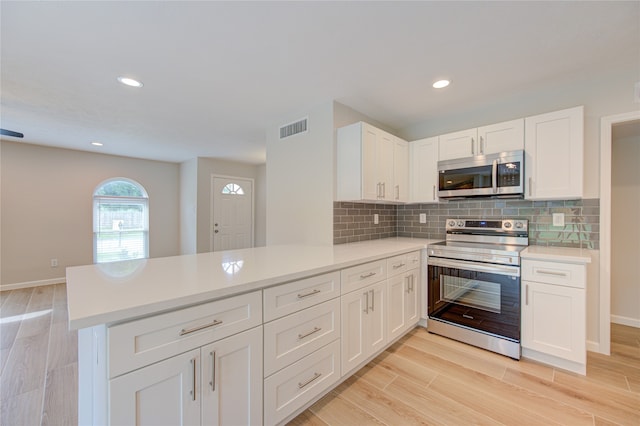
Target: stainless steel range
pixel 474 283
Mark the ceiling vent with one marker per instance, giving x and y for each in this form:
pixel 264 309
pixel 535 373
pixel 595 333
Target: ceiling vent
pixel 291 129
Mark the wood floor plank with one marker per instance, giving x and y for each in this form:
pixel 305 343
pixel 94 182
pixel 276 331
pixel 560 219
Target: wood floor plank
pixel 4 295
pixel 382 406
pixel 576 397
pixel 335 410
pixel 307 418
pixel 60 408
pixel 25 367
pixel 22 409
pixel 16 302
pixel 376 374
pixel 409 369
pixel 63 346
pixel 41 299
pixel 434 406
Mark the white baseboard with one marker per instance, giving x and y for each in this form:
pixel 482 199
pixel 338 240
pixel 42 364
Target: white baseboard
pixel 631 322
pixel 594 346
pixel 28 284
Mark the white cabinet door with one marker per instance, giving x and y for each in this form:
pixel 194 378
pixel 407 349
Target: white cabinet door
pixel 554 152
pixel 424 170
pixel 397 286
pixel 385 163
pixel 370 175
pixel 165 393
pixel 458 144
pixel 232 380
pixel 500 137
pixel 553 320
pixel 363 324
pixel 412 299
pixel 401 170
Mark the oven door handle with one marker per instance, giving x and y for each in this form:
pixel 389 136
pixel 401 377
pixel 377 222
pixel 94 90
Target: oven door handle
pixel 512 271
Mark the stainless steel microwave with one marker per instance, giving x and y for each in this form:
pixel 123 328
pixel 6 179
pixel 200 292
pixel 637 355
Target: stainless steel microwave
pixel 491 175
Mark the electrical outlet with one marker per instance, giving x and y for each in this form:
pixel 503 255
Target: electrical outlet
pixel 558 219
pixel 376 219
pixel 423 218
pixel 54 263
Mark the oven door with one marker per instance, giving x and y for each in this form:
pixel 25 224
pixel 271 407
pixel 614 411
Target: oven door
pixel 480 296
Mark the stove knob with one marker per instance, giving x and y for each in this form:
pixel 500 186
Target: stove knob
pixel 460 224
pixel 452 223
pixel 507 225
pixel 519 225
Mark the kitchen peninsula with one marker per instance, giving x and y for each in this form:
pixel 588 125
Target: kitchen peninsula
pixel 194 326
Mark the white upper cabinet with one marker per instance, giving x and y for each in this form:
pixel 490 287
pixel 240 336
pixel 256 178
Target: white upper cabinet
pixel 500 137
pixel 554 152
pixel 424 170
pixel 367 163
pixel 401 170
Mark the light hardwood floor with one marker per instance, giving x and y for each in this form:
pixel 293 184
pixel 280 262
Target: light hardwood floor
pixel 422 379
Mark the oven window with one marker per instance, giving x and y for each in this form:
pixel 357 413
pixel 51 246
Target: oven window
pixel 471 292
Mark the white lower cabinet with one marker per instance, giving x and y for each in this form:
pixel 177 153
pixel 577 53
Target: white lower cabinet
pixel 554 314
pixel 217 384
pixel 403 301
pixel 363 324
pixel 292 387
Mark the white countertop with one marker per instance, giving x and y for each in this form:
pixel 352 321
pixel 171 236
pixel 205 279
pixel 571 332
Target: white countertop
pixel 119 291
pixel 556 254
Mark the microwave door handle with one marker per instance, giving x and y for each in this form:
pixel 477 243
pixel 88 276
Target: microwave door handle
pixel 494 176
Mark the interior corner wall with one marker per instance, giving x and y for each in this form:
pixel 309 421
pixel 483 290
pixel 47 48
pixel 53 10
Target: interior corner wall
pixel 188 206
pixel 300 176
pixel 213 166
pixel 47 208
pixel 625 239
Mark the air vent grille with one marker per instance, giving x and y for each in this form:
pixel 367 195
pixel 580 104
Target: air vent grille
pixel 291 129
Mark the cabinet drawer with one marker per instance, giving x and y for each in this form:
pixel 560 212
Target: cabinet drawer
pixel 566 274
pixel 291 388
pixel 404 262
pixel 290 338
pixel 148 340
pixel 362 275
pixel 291 297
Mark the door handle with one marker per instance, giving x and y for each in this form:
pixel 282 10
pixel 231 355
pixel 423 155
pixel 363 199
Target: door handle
pixel 473 151
pixel 213 371
pixel 526 294
pixel 366 305
pixel 373 300
pixel 494 176
pixel 481 143
pixel 434 193
pixel 397 192
pixel 193 387
pixel 216 231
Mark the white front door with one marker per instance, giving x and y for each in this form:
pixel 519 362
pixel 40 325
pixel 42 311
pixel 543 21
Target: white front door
pixel 232 213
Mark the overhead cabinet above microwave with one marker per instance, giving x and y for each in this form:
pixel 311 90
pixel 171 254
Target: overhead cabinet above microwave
pixel 492 139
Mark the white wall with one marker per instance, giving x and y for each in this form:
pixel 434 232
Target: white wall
pixel 188 206
pixel 261 207
pixel 625 232
pixel 211 166
pixel 300 175
pixel 47 207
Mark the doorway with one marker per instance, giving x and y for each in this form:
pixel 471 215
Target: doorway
pixel 606 141
pixel 231 213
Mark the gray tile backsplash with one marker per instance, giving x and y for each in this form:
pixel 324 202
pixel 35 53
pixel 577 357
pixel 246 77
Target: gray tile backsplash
pixel 354 221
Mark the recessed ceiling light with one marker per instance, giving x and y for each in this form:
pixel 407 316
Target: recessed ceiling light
pixel 96 143
pixel 441 84
pixel 130 82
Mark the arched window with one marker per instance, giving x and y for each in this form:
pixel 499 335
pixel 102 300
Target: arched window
pixel 232 189
pixel 120 221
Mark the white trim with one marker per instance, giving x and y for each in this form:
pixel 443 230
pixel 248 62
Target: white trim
pixel 631 322
pixel 253 206
pixel 606 125
pixel 28 284
pixel 593 346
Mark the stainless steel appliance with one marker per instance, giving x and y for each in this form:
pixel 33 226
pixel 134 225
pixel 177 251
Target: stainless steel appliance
pixel 491 175
pixel 474 283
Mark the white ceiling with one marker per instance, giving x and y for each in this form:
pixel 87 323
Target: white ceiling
pixel 216 74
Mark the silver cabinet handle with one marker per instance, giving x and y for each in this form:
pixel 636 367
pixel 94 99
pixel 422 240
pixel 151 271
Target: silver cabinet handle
pixel 193 387
pixel 554 273
pixel 473 151
pixel 366 305
pixel 384 189
pixel 213 371
pixel 370 274
pixel 316 376
pixel 530 185
pixel 407 279
pixel 378 190
pixel 481 143
pixel 399 265
pixel 373 301
pixel 397 192
pixel 526 294
pixel 200 327
pixel 311 293
pixel 433 196
pixel 309 333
